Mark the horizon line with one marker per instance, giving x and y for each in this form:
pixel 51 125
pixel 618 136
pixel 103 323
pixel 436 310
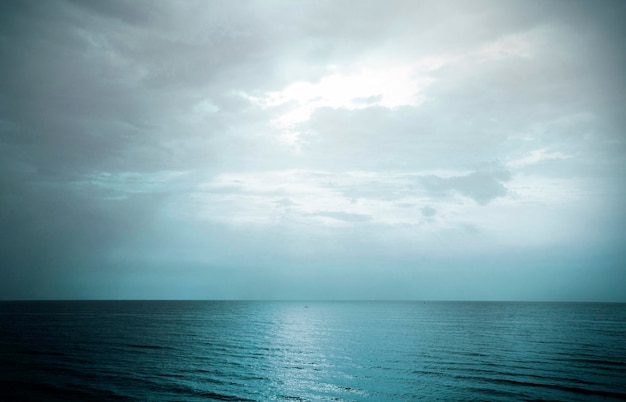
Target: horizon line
pixel 318 300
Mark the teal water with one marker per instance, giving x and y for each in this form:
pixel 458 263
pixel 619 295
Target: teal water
pixel 311 351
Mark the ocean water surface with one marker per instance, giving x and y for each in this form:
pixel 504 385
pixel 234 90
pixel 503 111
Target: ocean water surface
pixel 311 351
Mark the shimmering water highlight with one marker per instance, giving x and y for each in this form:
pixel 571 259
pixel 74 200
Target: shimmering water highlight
pixel 310 351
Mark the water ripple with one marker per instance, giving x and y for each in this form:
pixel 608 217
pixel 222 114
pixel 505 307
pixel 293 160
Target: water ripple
pixel 342 351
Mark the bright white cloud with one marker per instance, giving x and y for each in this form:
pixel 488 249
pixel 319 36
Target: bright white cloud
pixel 535 157
pixel 541 190
pixel 361 85
pixel 390 87
pixel 519 45
pixel 355 199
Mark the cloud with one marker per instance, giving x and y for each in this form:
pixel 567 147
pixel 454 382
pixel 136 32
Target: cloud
pixel 140 141
pixel 390 87
pixel 480 186
pixel 343 216
pixel 537 156
pixel 294 197
pixel 429 211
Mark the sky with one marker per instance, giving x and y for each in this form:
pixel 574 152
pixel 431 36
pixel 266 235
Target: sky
pixel 410 150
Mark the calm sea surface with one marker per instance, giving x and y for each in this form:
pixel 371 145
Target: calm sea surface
pixel 311 351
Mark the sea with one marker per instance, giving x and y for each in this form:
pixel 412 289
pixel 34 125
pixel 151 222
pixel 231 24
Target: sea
pixel 311 351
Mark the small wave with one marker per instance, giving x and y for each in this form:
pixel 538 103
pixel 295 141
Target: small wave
pixel 221 397
pixel 293 398
pixel 597 362
pixel 19 390
pixel 577 390
pixel 141 346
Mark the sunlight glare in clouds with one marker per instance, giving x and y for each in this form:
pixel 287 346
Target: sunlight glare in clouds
pixel 387 87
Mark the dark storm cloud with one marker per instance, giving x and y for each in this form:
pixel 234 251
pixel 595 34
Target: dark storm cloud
pixel 67 109
pixel 70 106
pixel 106 86
pixel 52 234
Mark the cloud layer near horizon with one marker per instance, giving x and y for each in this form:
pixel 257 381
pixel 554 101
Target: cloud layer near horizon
pixel 417 150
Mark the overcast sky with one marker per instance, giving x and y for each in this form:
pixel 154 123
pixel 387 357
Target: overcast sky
pixel 455 150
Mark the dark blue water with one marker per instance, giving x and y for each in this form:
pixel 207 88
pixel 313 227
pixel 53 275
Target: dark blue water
pixel 310 351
